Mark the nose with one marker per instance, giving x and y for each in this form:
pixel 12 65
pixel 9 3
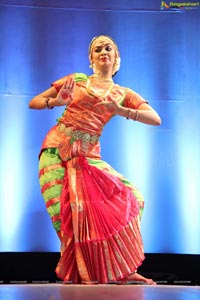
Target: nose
pixel 103 52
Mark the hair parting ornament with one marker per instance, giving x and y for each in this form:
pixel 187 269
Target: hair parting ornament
pixel 117 61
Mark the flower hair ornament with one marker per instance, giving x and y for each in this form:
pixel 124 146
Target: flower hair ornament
pixel 116 65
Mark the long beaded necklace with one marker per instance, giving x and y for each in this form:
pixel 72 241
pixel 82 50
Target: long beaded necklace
pixel 96 91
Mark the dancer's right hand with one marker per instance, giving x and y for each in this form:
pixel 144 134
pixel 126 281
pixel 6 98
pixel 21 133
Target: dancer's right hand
pixel 65 95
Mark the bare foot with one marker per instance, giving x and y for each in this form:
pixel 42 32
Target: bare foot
pixel 137 279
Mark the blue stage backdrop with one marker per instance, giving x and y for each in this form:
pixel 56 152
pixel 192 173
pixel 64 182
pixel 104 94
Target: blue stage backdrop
pixel 42 41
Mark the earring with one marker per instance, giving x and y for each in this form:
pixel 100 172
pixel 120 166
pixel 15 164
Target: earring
pixel 92 66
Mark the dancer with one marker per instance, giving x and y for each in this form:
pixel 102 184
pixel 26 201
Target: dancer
pixel 95 210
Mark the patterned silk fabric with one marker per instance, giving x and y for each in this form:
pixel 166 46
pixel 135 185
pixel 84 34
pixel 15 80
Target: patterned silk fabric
pixel 94 209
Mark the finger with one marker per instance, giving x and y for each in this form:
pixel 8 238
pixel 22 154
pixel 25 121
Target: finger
pixel 109 99
pixel 102 103
pixel 71 84
pixel 99 103
pixel 66 84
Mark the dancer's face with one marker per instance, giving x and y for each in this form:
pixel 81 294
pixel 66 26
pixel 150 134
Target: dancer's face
pixel 103 53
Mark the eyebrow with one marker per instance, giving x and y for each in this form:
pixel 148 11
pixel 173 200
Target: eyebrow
pixel 103 45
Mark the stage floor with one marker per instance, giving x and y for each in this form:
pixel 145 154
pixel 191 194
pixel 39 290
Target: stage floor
pixel 97 292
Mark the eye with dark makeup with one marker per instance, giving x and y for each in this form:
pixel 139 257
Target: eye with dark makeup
pixel 108 48
pixel 99 49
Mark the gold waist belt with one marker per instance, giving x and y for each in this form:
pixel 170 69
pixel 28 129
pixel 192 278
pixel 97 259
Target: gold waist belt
pixel 78 134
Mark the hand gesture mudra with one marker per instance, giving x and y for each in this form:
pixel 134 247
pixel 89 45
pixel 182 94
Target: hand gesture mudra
pixel 111 103
pixel 65 95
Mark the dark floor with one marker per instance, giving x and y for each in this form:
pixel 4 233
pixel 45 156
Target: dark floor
pixel 31 267
pixel 31 276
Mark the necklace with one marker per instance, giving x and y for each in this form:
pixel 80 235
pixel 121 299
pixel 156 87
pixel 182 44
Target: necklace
pixel 97 91
pixel 101 79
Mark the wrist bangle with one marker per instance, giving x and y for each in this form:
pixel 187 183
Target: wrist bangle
pixel 47 103
pixel 136 115
pixel 129 114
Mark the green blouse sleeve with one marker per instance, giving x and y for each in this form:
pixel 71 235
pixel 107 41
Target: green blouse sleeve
pixel 77 77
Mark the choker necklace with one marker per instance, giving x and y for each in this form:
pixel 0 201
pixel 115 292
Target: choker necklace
pixel 101 92
pixel 101 79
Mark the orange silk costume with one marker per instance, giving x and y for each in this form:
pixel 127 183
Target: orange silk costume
pixel 94 209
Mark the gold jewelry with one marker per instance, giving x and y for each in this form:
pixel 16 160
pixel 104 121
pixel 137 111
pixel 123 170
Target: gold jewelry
pixel 101 79
pixel 97 91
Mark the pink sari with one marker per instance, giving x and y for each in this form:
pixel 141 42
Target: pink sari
pixel 99 209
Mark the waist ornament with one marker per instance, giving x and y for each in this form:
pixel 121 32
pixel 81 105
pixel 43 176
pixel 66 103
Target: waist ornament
pixel 76 135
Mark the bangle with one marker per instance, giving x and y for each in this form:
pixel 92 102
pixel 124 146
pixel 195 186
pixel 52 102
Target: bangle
pixel 47 103
pixel 136 115
pixel 129 114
